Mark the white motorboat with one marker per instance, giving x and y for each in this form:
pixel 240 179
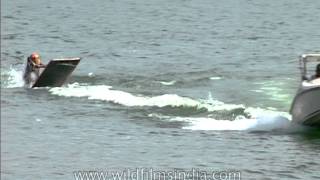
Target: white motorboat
pixel 305 108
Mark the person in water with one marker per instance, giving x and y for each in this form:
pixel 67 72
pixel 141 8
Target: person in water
pixel 33 69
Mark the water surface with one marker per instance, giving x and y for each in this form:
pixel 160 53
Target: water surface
pixel 163 84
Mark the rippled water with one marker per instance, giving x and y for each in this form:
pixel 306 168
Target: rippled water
pixel 163 84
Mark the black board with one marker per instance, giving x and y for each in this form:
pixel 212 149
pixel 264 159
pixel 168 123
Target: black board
pixel 56 72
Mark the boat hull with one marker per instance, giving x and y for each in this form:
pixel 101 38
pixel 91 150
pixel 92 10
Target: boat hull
pixel 305 108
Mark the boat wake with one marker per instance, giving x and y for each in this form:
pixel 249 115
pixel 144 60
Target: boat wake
pixel 243 118
pixel 214 114
pixel 106 93
pixel 261 123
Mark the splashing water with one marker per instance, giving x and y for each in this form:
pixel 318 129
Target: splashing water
pixel 12 78
pixel 213 124
pixel 263 123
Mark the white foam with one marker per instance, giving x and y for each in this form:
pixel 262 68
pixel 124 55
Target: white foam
pixel 90 74
pixel 38 120
pixel 167 83
pixel 213 124
pixel 260 119
pixel 12 78
pixel 215 78
pixel 260 112
pixel 214 105
pixel 105 93
pixel 262 123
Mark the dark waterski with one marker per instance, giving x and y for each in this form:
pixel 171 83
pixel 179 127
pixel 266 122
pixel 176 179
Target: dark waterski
pixel 305 108
pixel 56 72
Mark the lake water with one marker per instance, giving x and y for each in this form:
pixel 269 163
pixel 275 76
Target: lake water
pixel 162 84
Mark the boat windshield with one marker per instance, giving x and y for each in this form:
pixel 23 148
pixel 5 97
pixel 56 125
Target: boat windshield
pixel 308 64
